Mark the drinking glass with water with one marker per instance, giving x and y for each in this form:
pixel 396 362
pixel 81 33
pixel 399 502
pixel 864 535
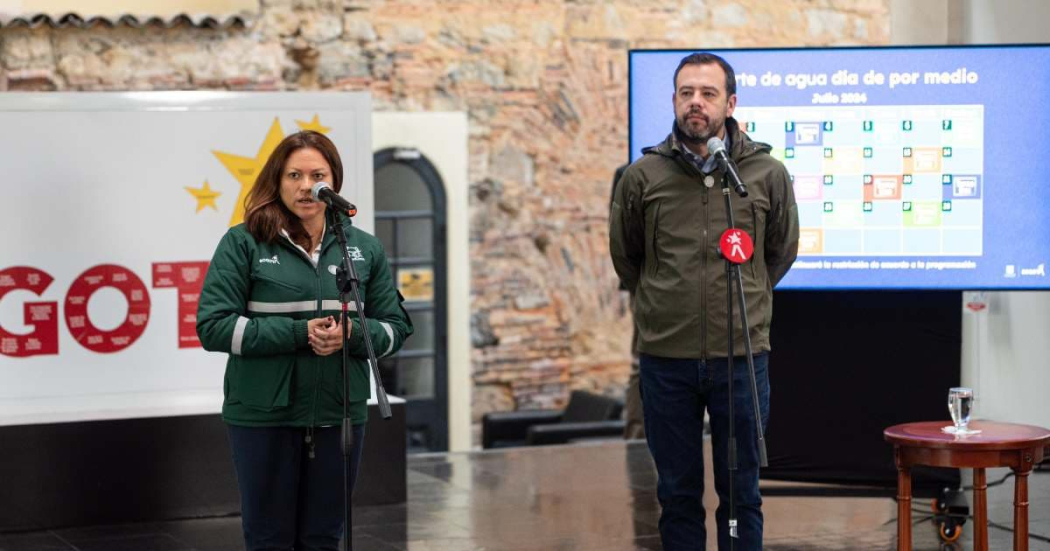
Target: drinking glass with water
pixel 960 404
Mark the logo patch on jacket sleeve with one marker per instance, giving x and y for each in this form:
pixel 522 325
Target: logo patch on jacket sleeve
pixel 355 254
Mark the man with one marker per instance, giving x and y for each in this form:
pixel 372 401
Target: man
pixel 665 224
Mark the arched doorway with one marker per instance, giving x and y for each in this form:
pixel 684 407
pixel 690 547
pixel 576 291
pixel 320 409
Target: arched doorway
pixel 410 217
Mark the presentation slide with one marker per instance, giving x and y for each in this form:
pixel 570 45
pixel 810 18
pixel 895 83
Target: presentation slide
pixel 913 168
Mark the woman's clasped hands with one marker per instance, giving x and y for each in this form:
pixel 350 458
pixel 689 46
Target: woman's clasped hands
pixel 325 335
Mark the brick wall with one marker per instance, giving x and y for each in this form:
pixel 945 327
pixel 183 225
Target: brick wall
pixel 544 84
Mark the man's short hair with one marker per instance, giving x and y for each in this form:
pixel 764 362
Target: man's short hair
pixel 707 59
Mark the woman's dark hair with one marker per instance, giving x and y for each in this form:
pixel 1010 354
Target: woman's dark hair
pixel 264 213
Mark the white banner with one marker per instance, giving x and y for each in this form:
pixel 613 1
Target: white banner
pixel 112 207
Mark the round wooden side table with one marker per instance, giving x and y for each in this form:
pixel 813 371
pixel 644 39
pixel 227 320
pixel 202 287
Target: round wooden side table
pixel 1019 447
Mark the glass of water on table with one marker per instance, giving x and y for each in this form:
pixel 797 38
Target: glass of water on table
pixel 960 404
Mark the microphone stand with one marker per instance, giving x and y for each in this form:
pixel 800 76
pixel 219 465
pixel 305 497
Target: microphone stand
pixel 733 272
pixel 347 282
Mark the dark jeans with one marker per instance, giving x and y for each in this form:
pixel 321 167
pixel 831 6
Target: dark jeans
pixel 675 393
pixel 288 500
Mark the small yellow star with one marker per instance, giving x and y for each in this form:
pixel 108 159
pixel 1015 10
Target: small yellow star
pixel 315 125
pixel 205 196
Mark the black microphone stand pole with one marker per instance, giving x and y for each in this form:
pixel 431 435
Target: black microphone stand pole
pixel 733 272
pixel 347 282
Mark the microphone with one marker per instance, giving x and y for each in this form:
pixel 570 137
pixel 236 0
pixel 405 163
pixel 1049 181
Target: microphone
pixel 323 193
pixel 718 149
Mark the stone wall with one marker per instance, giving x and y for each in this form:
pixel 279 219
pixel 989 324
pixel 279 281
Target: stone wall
pixel 544 84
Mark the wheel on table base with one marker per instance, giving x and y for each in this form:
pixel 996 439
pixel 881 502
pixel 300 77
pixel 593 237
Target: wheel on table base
pixel 950 531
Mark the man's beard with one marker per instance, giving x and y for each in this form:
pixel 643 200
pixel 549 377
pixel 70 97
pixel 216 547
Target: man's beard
pixel 693 137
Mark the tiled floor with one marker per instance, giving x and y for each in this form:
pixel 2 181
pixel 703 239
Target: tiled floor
pixel 591 497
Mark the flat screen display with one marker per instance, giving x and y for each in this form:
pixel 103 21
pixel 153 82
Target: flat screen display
pixel 913 167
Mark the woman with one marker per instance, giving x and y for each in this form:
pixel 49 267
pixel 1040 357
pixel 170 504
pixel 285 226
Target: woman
pixel 270 301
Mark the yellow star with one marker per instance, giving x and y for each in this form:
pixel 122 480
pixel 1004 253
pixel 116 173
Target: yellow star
pixel 315 125
pixel 205 196
pixel 246 169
